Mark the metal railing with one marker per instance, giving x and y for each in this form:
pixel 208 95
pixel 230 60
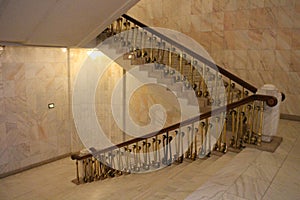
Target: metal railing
pixel 238 121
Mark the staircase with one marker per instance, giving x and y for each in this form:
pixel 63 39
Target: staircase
pixel 220 112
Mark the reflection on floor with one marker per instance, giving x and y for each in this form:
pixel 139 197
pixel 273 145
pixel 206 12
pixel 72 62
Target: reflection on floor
pixel 251 174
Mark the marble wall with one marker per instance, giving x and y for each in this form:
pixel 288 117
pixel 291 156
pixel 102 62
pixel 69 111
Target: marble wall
pixel 256 39
pixel 259 40
pixel 30 133
pixel 140 101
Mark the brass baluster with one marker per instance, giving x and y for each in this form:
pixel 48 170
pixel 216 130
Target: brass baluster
pixel 144 39
pixel 144 153
pixel 237 128
pixel 233 117
pixel 224 132
pixel 134 151
pixel 77 172
pixel 163 52
pixel 249 122
pixel 192 72
pixel 149 56
pixel 179 144
pixel 201 81
pixel 215 88
pixel 96 170
pixel 187 155
pixel 218 143
pixel 205 138
pixel 206 81
pixel 102 167
pixel 148 150
pixel 169 162
pixel 156 149
pixel 139 47
pixel 192 141
pixel 119 28
pixel 170 57
pixel 84 170
pixel 153 59
pixel 126 159
pixel 180 66
pixel 90 170
pixel 243 92
pixel 199 92
pixel 158 152
pixel 254 123
pixel 127 25
pixel 202 137
pixel 158 51
pixel 176 145
pixel 181 147
pixel 165 150
pixel 195 143
pixel 135 36
pixel 241 131
pixel 208 135
pixel 138 164
pixel 229 100
pixel 232 92
pixel 259 134
pixel 220 85
pixel 118 159
pixel 153 150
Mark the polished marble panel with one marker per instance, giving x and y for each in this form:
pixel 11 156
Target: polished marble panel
pixel 30 78
pixel 278 192
pixel 248 187
pixel 228 196
pixel 208 191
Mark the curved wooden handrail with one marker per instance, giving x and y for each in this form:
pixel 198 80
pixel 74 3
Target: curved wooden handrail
pixel 270 101
pixel 207 62
pixel 216 67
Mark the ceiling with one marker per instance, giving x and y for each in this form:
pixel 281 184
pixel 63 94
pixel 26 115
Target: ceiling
pixel 66 23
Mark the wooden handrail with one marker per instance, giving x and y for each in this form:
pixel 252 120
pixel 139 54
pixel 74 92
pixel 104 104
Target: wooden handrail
pixel 207 62
pixel 216 67
pixel 270 101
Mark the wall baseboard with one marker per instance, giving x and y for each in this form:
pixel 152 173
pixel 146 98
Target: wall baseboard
pixel 282 116
pixel 34 165
pixel 290 117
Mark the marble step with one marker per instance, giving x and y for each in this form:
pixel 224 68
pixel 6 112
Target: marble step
pixel 236 178
pixel 182 181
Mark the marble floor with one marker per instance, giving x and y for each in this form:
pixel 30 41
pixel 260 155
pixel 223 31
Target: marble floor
pixel 251 174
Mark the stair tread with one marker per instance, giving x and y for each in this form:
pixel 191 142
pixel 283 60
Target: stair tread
pixel 189 177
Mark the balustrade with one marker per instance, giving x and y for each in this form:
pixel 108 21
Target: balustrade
pixel 236 120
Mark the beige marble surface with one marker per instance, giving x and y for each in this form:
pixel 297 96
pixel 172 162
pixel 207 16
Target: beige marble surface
pixel 31 78
pixel 261 47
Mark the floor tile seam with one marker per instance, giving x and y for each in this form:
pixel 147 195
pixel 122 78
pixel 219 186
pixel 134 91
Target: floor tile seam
pixel 282 185
pixel 275 175
pixel 243 173
pixel 269 182
pixel 244 198
pixel 235 181
pixel 237 195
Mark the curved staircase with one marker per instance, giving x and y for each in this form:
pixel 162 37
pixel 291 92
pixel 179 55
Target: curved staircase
pixel 230 113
